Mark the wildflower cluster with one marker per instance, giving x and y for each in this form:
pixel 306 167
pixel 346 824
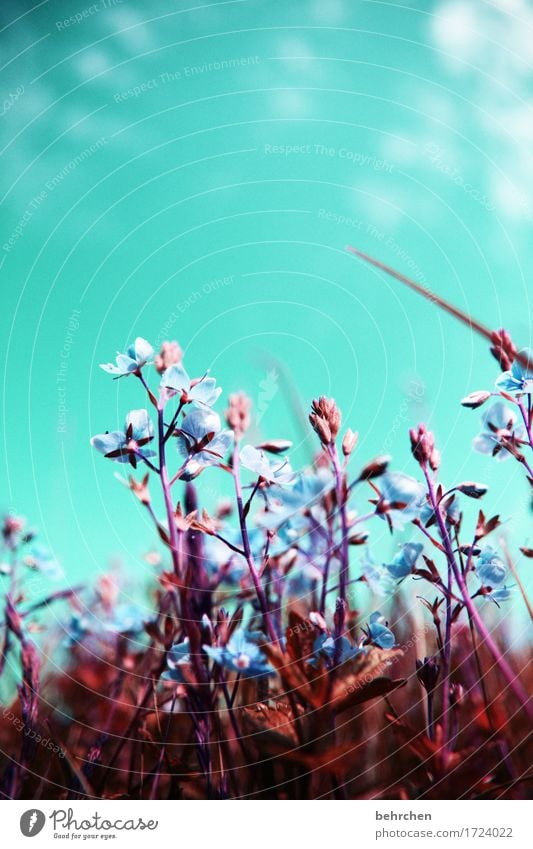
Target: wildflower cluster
pixel 272 620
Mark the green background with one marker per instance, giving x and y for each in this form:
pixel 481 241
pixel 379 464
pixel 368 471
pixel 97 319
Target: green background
pixel 169 213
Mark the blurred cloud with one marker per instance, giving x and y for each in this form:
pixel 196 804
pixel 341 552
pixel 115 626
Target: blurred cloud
pixel 331 13
pixel 491 45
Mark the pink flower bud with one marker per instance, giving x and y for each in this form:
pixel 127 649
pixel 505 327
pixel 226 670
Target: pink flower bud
pixel 423 447
pixel 238 413
pixel 325 418
pixel 476 399
pixel 349 442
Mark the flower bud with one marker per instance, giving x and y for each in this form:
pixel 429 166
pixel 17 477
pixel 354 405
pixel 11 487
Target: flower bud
pixel 423 447
pixel 503 349
pixel 238 413
pixel 224 509
pixel 325 418
pixel 321 428
pixel 476 399
pixel 169 355
pixel 427 672
pixel 12 527
pixel 275 446
pixel 471 489
pixel 349 442
pixel 375 468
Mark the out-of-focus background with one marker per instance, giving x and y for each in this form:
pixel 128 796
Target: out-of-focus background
pixel 194 170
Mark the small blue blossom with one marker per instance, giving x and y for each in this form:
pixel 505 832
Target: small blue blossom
pixel 127 446
pixel 402 498
pixel 284 502
pixel 132 361
pixel 286 536
pixel 222 564
pixel 379 633
pixel 200 435
pixel 377 576
pixel 328 648
pixel 519 379
pixel 405 560
pixel 127 619
pixel 177 658
pixel 241 655
pixel 302 580
pixel 490 568
pixel 501 594
pixel 77 629
pixel 39 557
pixel 276 470
pixel 307 488
pixel 452 513
pixel 203 391
pixel 498 424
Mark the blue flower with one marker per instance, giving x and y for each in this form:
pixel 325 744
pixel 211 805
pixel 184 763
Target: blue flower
pixel 132 361
pixel 200 435
pixel 40 558
pixel 518 379
pixel 501 594
pixel 490 568
pixel 377 576
pixel 451 514
pixel 404 562
pixel 78 628
pixel 379 633
pixel 203 391
pixel 177 658
pixel 402 498
pixel 223 565
pixel 327 647
pixel 275 470
pixel 240 655
pixel 302 580
pixel 498 424
pixel 127 619
pixel 127 446
pixel 308 487
pixel 284 502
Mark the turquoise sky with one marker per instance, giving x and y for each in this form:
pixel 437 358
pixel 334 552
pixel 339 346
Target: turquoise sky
pixel 194 170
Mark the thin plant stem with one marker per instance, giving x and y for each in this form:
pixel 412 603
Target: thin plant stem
pixel 512 680
pixel 341 505
pixel 430 717
pixel 526 415
pixel 434 298
pixel 247 549
pixel 446 649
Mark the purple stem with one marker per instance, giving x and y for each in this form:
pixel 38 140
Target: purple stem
pixel 174 538
pixel 247 550
pixel 526 415
pixel 144 459
pixel 512 680
pixel 446 652
pixel 180 471
pixel 341 504
pixel 165 486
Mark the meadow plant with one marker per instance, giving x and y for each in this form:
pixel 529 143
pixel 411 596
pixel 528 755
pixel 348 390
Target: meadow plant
pixel 255 674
